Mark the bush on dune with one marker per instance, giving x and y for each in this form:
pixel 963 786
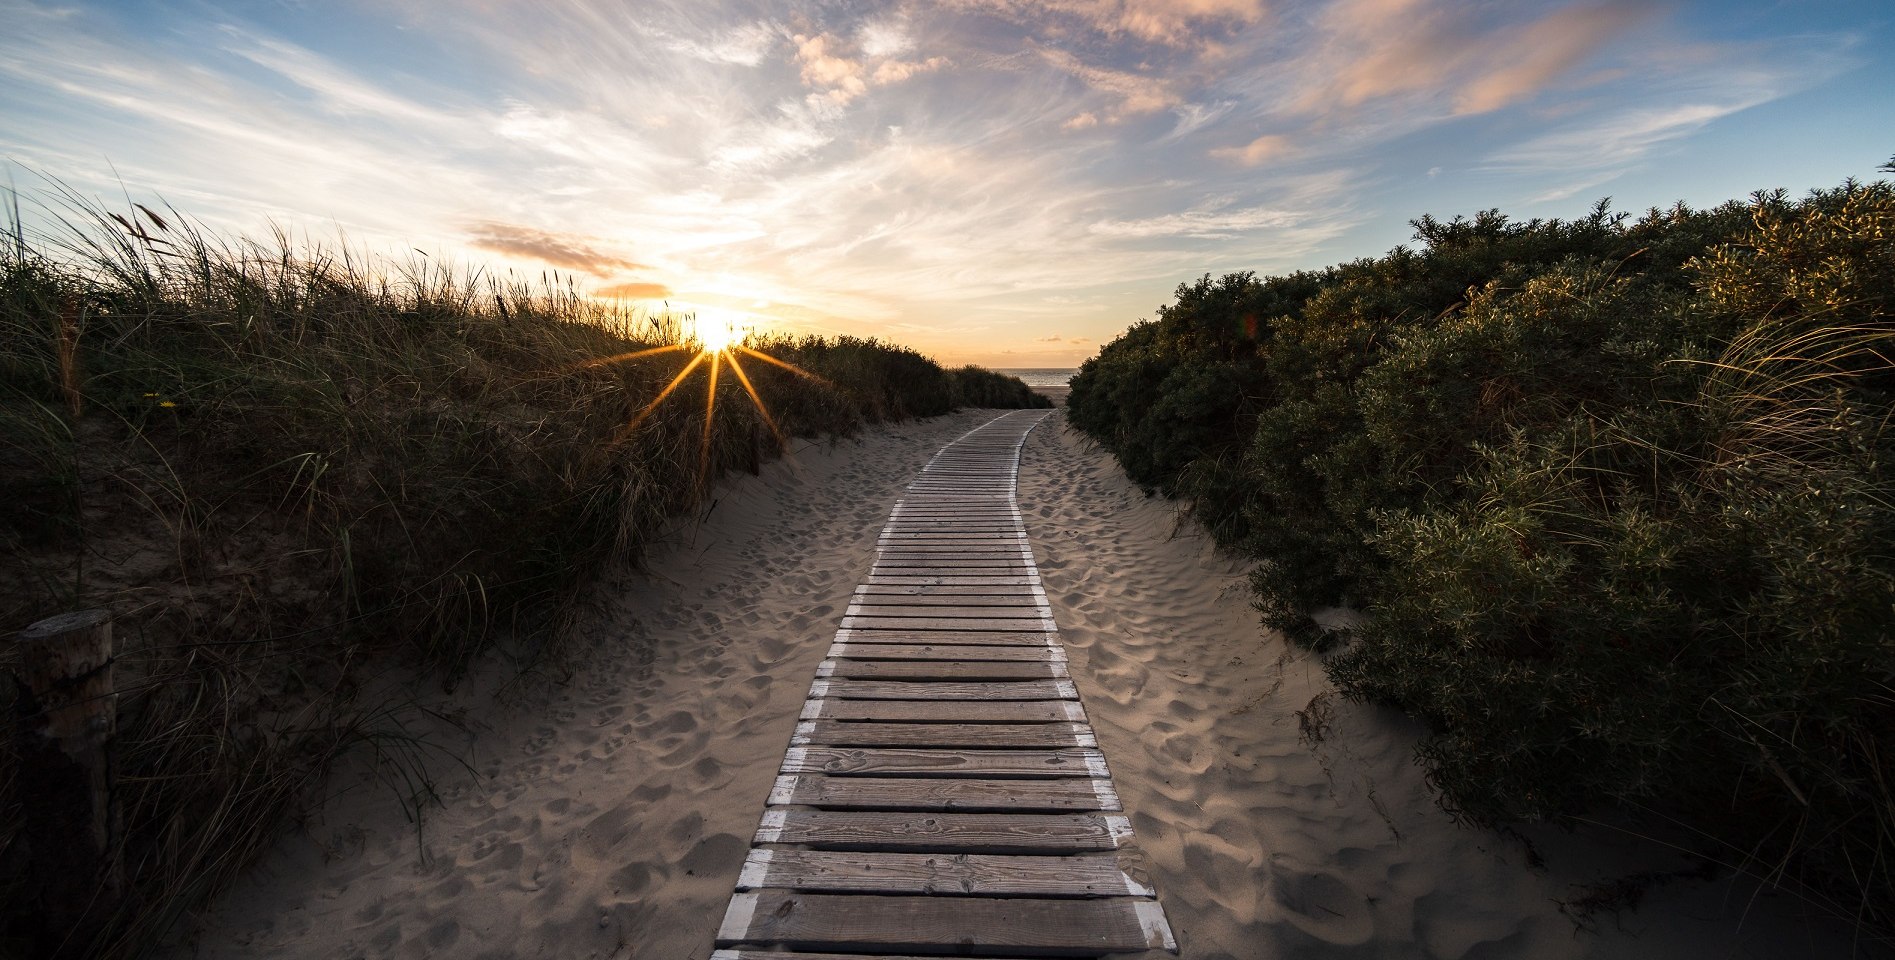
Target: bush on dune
pixel 1614 496
pixel 973 386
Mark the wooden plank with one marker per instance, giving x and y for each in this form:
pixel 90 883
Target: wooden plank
pixel 945 711
pixel 942 925
pixel 943 793
pixel 938 874
pixel 982 529
pixel 939 670
pixel 968 735
pixel 1011 555
pixel 1031 637
pixel 936 528
pixel 745 954
pixel 951 546
pixel 961 513
pixel 952 580
pixel 988 549
pixel 885 622
pixel 953 607
pixel 854 689
pixel 943 651
pixel 953 593
pixel 944 499
pixel 887 567
pixel 914 762
pixel 960 832
pixel 1009 544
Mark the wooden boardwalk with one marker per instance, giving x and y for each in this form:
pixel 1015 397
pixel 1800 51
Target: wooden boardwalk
pixel 943 793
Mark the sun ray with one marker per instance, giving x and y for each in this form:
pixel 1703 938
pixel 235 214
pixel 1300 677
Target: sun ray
pixel 622 357
pixel 626 431
pixel 793 368
pixel 710 419
pixel 762 411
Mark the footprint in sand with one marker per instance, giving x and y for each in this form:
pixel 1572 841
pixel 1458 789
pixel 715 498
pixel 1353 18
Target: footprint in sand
pixel 1321 905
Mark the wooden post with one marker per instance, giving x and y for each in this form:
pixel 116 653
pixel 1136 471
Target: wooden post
pixel 65 730
pixel 756 449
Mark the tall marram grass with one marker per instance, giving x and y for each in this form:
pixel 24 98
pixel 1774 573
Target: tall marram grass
pixel 290 469
pixel 1615 496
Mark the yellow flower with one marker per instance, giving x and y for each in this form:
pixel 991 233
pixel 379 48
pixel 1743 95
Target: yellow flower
pixel 166 403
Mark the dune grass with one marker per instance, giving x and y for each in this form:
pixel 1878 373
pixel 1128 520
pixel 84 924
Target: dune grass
pixel 293 472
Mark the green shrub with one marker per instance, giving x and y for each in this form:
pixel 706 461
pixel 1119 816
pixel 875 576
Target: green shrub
pixel 1614 496
pixel 973 386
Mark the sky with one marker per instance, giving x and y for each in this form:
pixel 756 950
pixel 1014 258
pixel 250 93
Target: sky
pixel 1001 182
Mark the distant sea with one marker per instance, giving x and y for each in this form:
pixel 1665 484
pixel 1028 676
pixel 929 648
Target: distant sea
pixel 1041 376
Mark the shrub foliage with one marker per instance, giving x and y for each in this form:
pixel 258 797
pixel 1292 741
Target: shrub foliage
pixel 1615 494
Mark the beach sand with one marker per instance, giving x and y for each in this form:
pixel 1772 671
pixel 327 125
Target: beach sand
pixel 612 813
pixel 1057 394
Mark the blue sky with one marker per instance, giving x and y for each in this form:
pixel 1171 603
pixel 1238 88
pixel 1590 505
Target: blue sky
pixel 992 181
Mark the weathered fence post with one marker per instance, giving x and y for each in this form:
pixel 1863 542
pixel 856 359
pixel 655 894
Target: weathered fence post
pixel 756 449
pixel 65 729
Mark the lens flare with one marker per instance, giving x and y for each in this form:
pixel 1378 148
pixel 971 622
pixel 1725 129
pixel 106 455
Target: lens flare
pixel 718 344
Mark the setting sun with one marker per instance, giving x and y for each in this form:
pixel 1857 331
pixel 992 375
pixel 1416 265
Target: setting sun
pixel 716 336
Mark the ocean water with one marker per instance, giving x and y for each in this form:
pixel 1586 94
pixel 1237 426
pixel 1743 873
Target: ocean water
pixel 1041 376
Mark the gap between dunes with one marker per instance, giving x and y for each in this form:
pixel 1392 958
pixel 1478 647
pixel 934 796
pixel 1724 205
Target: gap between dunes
pixel 612 813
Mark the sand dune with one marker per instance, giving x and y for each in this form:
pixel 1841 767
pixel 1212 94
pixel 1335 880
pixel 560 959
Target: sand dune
pixel 611 815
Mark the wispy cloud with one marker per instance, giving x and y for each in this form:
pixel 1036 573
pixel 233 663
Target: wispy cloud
pixel 1212 221
pixel 1169 22
pixel 633 291
pixel 559 250
pixel 1432 50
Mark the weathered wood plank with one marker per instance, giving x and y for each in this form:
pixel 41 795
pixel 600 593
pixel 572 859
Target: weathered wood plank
pixel 886 622
pixel 952 579
pixel 943 735
pixel 910 566
pixel 943 651
pixel 1038 636
pixel 917 519
pixel 933 528
pixel 951 554
pixel 959 832
pixel 938 874
pixel 854 689
pixel 996 550
pixel 914 762
pixel 952 545
pixel 936 925
pixel 953 608
pixel 945 711
pixel 963 601
pixel 953 591
pixel 944 793
pixel 933 532
pixel 939 670
pixel 743 954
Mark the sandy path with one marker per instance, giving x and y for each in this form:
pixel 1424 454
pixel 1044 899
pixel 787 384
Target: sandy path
pixel 612 814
